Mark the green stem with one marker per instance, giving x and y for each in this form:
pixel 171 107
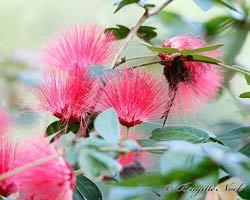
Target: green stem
pixel 127 133
pixel 117 149
pixel 235 68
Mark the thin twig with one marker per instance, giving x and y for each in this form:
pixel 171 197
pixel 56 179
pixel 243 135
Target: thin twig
pixel 238 69
pixel 133 31
pixel 124 59
pixel 116 149
pixel 28 166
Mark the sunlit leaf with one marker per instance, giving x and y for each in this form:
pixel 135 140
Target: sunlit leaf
pixel 201 50
pixel 161 50
pixel 245 95
pixel 247 77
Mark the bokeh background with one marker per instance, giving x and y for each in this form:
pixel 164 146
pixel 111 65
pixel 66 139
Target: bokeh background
pixel 27 24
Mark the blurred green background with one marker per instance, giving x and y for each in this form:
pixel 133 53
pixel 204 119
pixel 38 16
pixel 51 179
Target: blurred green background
pixel 26 25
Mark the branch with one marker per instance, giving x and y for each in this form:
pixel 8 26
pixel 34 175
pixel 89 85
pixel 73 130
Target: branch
pixel 28 166
pixel 133 31
pixel 120 150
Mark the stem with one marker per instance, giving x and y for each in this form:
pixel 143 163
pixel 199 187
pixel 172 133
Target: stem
pixel 133 31
pixel 28 166
pixel 126 156
pixel 127 133
pixel 124 59
pixel 116 149
pixel 78 172
pixel 238 69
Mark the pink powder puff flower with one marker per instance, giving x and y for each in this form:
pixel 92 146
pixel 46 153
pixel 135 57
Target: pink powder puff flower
pixel 68 95
pixel 136 95
pixel 193 83
pixel 8 156
pixel 5 122
pixel 79 46
pixel 52 180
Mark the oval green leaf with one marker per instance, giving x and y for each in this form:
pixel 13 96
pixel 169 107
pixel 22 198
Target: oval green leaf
pixel 86 189
pixel 107 125
pixel 174 132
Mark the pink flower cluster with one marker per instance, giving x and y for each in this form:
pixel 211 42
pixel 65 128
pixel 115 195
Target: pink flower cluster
pixel 136 95
pixel 70 93
pixel 53 179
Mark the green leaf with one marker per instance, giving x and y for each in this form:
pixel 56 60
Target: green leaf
pixel 161 50
pixel 176 160
pixel 107 125
pixel 95 164
pixel 205 59
pixel 146 180
pixel 246 149
pixel 55 127
pixel 216 25
pixel 240 133
pixel 171 17
pixel 100 72
pixel 247 77
pixel 60 126
pixel 128 193
pixel 121 32
pixel 175 132
pixel 90 166
pixel 245 95
pixel 5 198
pixel 225 4
pixel 146 33
pixel 123 3
pixel 200 50
pixel 85 189
pixel 233 162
